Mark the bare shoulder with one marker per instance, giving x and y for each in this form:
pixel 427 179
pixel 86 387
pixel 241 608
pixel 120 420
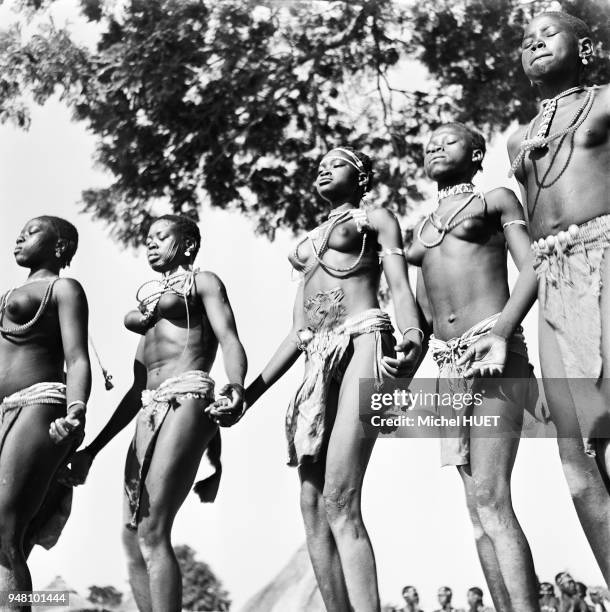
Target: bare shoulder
pixel 208 283
pixel 604 95
pixel 502 200
pixel 68 289
pixel 501 197
pixel 515 140
pixel 381 218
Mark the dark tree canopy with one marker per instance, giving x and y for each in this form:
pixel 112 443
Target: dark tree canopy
pixel 105 596
pixel 201 590
pixel 477 46
pixel 235 101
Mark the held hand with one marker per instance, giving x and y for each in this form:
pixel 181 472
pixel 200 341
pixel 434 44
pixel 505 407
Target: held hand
pixel 63 429
pixel 229 408
pixel 404 366
pixel 80 464
pixel 486 357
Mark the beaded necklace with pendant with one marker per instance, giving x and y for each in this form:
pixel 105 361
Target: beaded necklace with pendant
pixel 542 138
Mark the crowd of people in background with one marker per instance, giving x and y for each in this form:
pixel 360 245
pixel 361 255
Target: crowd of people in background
pixel 568 596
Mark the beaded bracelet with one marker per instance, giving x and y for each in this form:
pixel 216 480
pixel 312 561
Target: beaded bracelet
pixel 417 330
pixel 514 222
pixel 393 251
pixel 75 403
pixel 237 386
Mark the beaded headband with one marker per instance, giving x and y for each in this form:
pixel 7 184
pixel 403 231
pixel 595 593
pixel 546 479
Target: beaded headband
pixel 353 160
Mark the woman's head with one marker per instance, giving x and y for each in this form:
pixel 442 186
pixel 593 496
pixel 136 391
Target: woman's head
pixel 46 241
pixel 454 152
pixel 172 240
pixel 555 43
pixel 546 589
pixel 344 174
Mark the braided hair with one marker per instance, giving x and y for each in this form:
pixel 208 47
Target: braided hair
pixel 367 164
pixel 187 229
pixel 64 230
pixel 576 25
pixel 477 140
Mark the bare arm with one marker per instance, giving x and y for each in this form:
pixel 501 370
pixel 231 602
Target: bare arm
pixel 513 145
pixel 122 416
pixel 127 408
pixel 523 296
pixel 425 315
pixel 389 237
pixel 284 357
pixel 220 314
pixel 230 407
pixel 73 322
pixel 489 354
pixel 73 315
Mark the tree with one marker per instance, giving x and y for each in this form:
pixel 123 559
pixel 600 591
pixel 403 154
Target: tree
pixel 105 596
pixel 236 101
pixel 201 590
pixel 475 45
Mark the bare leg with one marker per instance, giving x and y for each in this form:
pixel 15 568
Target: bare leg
pixel 320 540
pixel 347 458
pixel 504 548
pixel 603 449
pixel 29 461
pixel 136 566
pixel 586 485
pixel 485 547
pixel 136 569
pixel 184 435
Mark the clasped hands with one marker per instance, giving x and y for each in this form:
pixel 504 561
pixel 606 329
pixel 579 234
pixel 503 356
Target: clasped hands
pixel 66 428
pixel 230 406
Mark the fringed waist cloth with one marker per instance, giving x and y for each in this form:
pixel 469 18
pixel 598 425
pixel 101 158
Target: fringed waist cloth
pixel 325 348
pixel 48 523
pixel 569 269
pixel 568 266
pixel 446 353
pixel 455 445
pixel 155 406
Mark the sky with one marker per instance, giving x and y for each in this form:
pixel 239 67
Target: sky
pixel 414 510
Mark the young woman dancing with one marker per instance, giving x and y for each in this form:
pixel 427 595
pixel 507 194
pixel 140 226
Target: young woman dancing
pixel 462 287
pixel 43 329
pixel 182 318
pixel 561 161
pixel 338 325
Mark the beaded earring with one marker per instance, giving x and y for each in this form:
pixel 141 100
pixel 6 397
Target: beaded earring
pixel 363 186
pixel 584 60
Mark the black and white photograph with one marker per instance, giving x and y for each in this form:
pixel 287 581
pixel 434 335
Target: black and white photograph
pixel 305 305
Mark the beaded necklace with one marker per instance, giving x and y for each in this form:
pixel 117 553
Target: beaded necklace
pixel 337 217
pixel 46 298
pixel 445 192
pixel 435 220
pixel 19 329
pixel 169 283
pixel 340 210
pixel 549 107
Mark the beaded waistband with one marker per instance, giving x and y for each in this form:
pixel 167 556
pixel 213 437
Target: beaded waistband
pixel 591 234
pixel 191 384
pixel 40 393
